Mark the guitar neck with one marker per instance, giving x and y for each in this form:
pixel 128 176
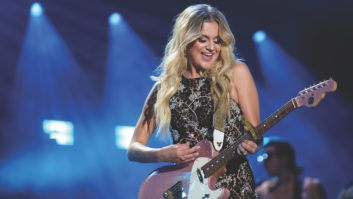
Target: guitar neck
pixel 227 154
pixel 276 117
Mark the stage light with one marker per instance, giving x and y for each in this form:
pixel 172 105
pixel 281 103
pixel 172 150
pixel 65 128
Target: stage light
pixel 262 157
pixel 115 18
pixel 36 9
pixel 123 135
pixel 61 131
pixel 259 36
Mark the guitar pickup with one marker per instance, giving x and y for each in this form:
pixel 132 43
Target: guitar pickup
pixel 198 171
pixel 175 192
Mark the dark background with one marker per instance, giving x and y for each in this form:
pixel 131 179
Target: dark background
pixel 317 33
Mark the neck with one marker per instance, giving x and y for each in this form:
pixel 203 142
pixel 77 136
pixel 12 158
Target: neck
pixel 191 75
pixel 192 72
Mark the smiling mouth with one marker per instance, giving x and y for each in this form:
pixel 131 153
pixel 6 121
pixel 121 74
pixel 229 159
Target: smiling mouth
pixel 207 56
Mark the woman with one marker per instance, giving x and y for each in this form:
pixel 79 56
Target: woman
pixel 199 72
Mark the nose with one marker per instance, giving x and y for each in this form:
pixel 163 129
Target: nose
pixel 210 46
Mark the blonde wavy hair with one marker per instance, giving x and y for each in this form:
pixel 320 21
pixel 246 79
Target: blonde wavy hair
pixel 187 29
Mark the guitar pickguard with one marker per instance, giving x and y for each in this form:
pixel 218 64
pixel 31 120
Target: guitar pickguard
pixel 199 186
pixel 186 180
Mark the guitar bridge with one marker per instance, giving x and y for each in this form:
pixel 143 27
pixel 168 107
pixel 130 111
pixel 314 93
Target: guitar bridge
pixel 175 192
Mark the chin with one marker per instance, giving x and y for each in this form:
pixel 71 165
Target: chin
pixel 207 66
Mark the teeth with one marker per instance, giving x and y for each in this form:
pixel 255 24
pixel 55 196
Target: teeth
pixel 207 54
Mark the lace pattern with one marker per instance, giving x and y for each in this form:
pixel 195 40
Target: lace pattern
pixel 192 111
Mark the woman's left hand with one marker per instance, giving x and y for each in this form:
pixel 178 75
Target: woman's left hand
pixel 247 147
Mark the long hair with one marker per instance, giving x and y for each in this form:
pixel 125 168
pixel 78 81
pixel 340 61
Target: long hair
pixel 285 150
pixel 187 29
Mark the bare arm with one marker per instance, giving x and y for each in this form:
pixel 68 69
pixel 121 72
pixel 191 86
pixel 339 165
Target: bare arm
pixel 245 93
pixel 138 151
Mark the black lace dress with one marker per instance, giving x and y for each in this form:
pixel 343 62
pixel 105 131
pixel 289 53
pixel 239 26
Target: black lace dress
pixel 192 111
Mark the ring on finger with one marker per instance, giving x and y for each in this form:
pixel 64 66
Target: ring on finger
pixel 245 153
pixel 182 158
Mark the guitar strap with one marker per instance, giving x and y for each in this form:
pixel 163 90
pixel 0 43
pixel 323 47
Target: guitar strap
pixel 219 121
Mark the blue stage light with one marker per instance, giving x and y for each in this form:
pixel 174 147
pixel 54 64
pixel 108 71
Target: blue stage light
pixel 123 135
pixel 259 36
pixel 36 10
pixel 262 157
pixel 115 18
pixel 61 131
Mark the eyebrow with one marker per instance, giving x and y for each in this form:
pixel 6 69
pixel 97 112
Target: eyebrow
pixel 218 37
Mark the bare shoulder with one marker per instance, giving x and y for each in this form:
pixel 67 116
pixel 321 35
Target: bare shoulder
pixel 265 186
pixel 155 86
pixel 242 75
pixel 244 92
pixel 240 67
pixel 313 188
pixel 153 92
pixel 309 181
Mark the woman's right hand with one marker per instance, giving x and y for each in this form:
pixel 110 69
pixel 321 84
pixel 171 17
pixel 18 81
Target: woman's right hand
pixel 179 153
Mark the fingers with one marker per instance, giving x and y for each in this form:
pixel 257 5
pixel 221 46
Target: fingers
pixel 185 146
pixel 247 147
pixel 241 150
pixel 250 146
pixel 192 153
pixel 188 154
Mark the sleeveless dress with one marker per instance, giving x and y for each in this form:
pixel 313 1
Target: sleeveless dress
pixel 192 111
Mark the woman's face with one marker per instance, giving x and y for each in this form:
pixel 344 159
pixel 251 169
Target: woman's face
pixel 273 164
pixel 205 51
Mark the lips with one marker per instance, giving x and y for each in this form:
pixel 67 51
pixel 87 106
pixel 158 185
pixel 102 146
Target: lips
pixel 207 56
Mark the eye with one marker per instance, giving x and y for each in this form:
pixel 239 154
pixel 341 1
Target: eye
pixel 201 40
pixel 218 41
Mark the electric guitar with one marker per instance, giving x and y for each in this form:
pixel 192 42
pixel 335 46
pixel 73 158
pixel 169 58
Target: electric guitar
pixel 197 179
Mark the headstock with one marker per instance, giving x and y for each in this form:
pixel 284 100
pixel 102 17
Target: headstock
pixel 311 96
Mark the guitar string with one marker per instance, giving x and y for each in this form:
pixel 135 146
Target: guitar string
pixel 276 117
pixel 226 151
pixel 286 109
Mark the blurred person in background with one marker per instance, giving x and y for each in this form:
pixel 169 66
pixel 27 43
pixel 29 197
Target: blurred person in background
pixel 286 182
pixel 347 192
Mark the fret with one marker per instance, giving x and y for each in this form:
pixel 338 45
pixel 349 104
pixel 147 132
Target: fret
pixel 222 158
pixel 307 97
pixel 229 153
pixel 275 117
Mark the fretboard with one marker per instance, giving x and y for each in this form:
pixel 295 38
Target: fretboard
pixel 227 154
pixel 221 159
pixel 275 117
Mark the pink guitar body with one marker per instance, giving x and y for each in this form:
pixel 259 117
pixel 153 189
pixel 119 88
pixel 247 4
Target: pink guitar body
pixel 184 180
